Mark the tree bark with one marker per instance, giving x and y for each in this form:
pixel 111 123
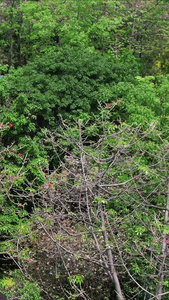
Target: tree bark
pixel 164 251
pixel 112 268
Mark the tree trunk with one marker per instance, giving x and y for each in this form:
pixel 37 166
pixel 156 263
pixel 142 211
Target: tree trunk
pixel 164 251
pixel 111 263
pixel 10 58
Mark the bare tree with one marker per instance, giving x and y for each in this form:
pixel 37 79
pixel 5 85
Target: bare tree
pixel 99 216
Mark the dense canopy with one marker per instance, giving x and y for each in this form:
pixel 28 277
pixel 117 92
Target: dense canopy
pixel 84 159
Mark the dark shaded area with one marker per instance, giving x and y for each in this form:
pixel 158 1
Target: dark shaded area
pixel 2 296
pixel 6 262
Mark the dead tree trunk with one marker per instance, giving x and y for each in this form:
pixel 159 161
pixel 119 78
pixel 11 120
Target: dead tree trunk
pixel 112 268
pixel 164 251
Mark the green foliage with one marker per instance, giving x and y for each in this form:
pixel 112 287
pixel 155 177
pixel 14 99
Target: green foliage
pixel 30 28
pixel 77 279
pixel 30 291
pixel 69 83
pixel 6 282
pixel 72 92
pixel 19 287
pixel 12 220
